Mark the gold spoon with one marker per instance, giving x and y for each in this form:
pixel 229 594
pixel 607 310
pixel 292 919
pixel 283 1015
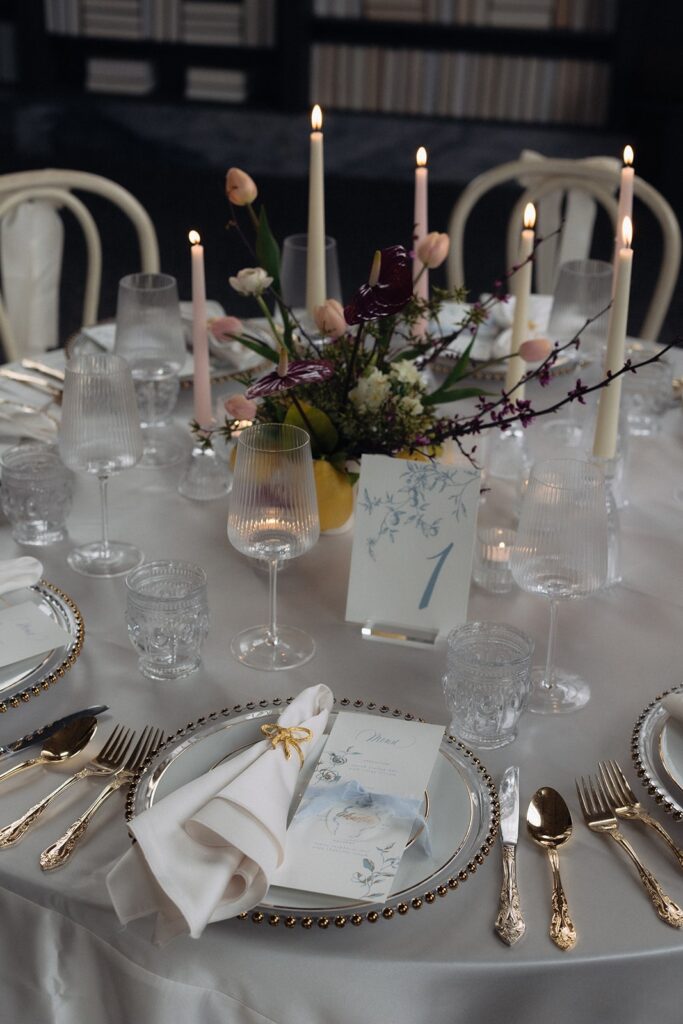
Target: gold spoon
pixel 60 746
pixel 549 824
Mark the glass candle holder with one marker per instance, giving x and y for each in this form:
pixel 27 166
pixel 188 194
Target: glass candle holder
pixel 36 493
pixel 491 564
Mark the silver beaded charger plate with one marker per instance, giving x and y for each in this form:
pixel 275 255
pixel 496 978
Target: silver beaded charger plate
pixel 461 796
pixel 656 739
pixel 30 677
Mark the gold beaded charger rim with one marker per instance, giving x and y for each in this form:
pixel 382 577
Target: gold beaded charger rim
pixel 22 681
pixel 646 756
pixel 467 856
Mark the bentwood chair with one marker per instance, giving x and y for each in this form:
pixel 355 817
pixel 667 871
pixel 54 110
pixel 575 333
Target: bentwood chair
pixel 56 187
pixel 562 179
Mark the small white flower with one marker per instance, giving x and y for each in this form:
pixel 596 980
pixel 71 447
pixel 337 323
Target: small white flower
pixel 411 406
pixel 407 373
pixel 251 281
pixel 370 392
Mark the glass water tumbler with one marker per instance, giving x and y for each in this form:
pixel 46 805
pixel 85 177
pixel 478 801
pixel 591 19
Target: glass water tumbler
pixel 36 492
pixel 167 614
pixel 487 681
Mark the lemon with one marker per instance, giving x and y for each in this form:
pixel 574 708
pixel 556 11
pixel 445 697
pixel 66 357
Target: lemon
pixel 335 495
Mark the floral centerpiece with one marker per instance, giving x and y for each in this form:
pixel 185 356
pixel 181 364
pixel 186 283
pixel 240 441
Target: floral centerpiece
pixel 359 385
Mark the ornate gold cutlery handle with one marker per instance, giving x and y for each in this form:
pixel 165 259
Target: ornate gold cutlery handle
pixel 562 930
pixel 510 925
pixel 661 831
pixel 22 766
pixel 13 832
pixel 669 911
pixel 59 852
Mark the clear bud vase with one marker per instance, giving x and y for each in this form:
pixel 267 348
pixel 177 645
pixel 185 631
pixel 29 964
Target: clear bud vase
pixel 206 476
pixel 508 459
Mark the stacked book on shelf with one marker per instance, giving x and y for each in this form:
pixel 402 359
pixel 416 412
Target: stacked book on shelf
pixel 124 77
pixel 197 22
pixel 573 15
pixel 219 85
pixel 479 86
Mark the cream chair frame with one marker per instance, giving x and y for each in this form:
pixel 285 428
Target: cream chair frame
pixel 55 186
pixel 551 175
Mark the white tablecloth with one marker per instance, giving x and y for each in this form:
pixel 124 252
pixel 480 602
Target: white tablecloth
pixel 63 955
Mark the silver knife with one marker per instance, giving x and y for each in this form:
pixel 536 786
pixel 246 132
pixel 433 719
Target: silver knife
pixel 509 924
pixel 31 738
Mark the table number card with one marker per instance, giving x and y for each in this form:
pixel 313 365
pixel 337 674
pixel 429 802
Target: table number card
pixel 351 828
pixel 413 541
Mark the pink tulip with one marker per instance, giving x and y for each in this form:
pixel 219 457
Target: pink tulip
pixel 329 318
pixel 432 250
pixel 535 350
pixel 226 328
pixel 238 407
pixel 239 187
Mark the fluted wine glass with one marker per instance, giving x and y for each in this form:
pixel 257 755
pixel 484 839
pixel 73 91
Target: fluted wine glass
pixel 273 516
pixel 100 434
pixel 561 552
pixel 149 336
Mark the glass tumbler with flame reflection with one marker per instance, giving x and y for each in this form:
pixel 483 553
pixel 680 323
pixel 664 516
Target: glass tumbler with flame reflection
pixel 273 516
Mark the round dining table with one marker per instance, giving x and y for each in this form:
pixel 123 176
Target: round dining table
pixel 64 955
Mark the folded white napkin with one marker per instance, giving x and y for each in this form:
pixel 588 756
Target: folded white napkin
pixel 16 573
pixel 673 703
pixel 502 315
pixel 206 852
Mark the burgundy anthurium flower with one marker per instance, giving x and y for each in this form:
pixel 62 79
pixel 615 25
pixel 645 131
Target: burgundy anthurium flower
pixel 301 371
pixel 388 290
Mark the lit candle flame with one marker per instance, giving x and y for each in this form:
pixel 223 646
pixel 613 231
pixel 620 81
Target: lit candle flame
pixel 194 238
pixel 316 118
pixel 421 157
pixel 627 232
pixel 628 155
pixel 529 215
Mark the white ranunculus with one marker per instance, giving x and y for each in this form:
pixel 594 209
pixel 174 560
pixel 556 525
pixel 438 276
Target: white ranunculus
pixel 251 281
pixel 370 392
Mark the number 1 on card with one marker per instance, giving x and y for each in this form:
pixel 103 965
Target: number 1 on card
pixel 431 583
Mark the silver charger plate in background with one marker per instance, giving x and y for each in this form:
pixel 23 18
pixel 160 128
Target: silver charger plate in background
pixel 647 756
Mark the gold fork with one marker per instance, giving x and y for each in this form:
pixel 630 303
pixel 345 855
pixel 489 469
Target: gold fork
pixel 109 759
pixel 59 852
pixel 626 805
pixel 599 818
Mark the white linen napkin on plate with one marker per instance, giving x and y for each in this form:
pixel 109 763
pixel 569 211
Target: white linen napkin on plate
pixel 206 852
pixel 673 702
pixel 16 573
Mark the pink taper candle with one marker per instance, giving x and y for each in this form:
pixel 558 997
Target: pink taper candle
pixel 421 219
pixel 521 289
pixel 625 206
pixel 607 423
pixel 200 336
pixel 316 282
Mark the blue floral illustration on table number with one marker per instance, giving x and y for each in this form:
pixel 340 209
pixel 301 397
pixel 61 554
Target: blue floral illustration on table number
pixel 381 867
pixel 408 507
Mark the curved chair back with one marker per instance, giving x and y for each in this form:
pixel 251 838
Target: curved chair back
pixel 544 177
pixel 55 186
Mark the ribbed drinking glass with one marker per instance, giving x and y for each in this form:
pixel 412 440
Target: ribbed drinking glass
pixel 100 434
pixel 149 336
pixel 273 516
pixel 561 552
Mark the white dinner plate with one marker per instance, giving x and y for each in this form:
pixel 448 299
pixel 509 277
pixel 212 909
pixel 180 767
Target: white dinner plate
pixel 462 823
pixel 31 676
pixel 671 750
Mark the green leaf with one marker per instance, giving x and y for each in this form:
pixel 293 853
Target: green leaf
pixel 461 367
pixel 260 347
pixel 457 395
pixel 267 250
pixel 323 433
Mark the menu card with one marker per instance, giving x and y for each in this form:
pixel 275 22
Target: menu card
pixel 357 813
pixel 26 631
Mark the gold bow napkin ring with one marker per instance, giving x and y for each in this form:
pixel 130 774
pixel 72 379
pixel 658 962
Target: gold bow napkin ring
pixel 290 738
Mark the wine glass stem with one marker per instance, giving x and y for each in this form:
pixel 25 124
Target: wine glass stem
pixel 104 480
pixel 272 599
pixel 549 674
